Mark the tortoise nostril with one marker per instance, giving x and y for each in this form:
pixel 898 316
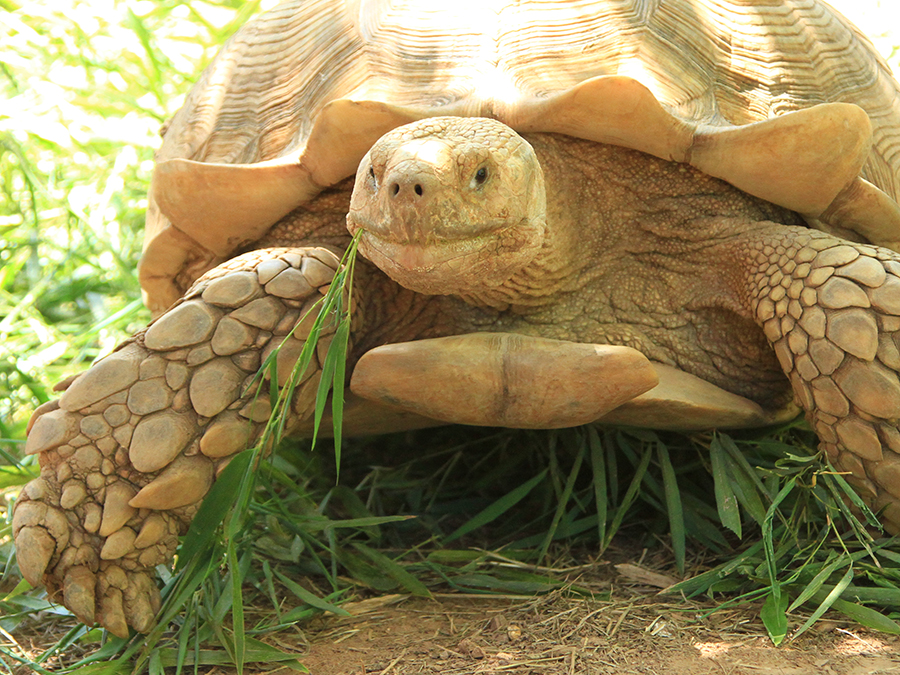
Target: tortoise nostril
pixel 396 187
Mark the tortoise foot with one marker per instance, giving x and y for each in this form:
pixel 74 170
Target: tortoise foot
pixel 77 534
pixel 134 444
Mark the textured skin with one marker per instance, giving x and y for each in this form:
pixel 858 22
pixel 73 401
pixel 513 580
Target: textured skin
pixel 831 309
pixel 451 206
pixel 135 443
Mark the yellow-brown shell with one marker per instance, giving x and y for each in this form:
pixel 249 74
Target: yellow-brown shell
pixel 306 87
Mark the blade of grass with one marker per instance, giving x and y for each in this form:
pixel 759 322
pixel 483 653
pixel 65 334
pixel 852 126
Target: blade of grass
pixel 257 652
pixel 601 496
pixel 237 606
pixel 188 628
pixel 826 604
pixel 612 466
pixel 563 500
pixel 339 345
pixel 767 532
pixel 848 492
pixel 813 586
pixel 738 457
pixel 726 501
pixel 309 598
pixel 630 495
pixel 406 580
pixel 214 508
pixel 673 506
pixel 773 613
pixel 498 508
pixel 491 583
pixel 866 616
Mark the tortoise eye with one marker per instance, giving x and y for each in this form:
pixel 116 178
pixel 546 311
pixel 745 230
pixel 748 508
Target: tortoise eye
pixel 481 175
pixel 372 175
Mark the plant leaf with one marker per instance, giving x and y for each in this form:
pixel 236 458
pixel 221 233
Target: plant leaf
pixel 308 597
pixel 726 502
pixel 216 505
pixel 813 586
pixel 601 496
pixel 868 617
pixel 827 602
pixel 673 506
pixel 394 571
pixel 773 615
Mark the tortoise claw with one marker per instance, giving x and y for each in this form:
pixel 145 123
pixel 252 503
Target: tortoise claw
pixel 42 409
pixel 142 603
pixel 131 600
pixel 34 549
pixel 112 613
pixel 79 593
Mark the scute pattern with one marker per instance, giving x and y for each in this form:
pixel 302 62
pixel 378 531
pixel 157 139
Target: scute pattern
pixel 748 61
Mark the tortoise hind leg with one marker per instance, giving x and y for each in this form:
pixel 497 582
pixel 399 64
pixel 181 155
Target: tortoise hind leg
pixel 831 309
pixel 135 442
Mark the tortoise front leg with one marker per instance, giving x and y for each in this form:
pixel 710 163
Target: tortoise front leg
pixel 133 445
pixel 831 309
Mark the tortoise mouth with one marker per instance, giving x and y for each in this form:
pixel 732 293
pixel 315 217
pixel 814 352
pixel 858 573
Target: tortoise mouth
pixel 418 257
pixel 449 266
pixel 428 233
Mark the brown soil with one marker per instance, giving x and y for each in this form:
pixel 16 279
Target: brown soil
pixel 626 628
pixel 458 635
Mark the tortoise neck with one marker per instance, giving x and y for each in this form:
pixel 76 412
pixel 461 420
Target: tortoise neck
pixel 556 268
pixel 553 270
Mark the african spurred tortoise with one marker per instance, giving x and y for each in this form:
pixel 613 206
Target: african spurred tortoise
pixel 635 211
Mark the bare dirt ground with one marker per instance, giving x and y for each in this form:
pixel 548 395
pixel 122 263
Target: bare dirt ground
pixel 635 633
pixel 625 628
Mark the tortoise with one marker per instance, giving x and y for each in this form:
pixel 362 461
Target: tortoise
pixel 677 215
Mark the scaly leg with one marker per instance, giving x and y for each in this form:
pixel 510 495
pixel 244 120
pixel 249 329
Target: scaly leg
pixel 134 443
pixel 831 309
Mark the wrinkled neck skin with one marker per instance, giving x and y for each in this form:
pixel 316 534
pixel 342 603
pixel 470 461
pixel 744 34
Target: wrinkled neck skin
pixel 565 255
pixel 553 270
pixel 635 255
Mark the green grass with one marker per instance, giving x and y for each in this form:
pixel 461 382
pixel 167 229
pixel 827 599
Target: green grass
pixel 455 503
pixel 752 516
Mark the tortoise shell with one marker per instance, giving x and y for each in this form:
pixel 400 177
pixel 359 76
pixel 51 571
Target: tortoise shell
pixel 296 98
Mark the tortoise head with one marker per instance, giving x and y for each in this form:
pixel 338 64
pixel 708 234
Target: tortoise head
pixel 450 205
